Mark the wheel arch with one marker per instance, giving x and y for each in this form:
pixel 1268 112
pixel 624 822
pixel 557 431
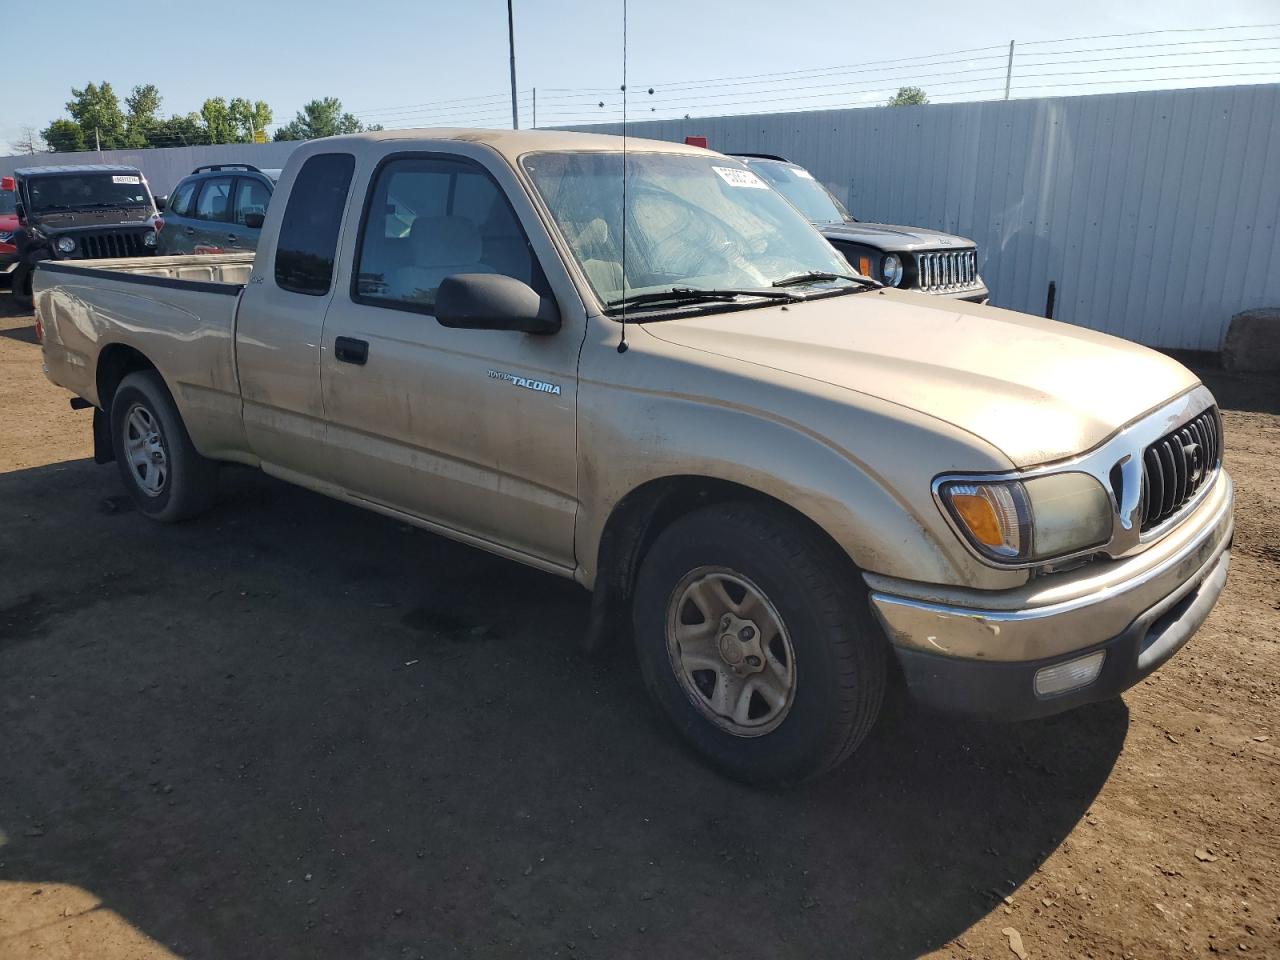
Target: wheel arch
pixel 115 362
pixel 644 512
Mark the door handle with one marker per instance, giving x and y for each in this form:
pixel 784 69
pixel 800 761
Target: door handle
pixel 232 238
pixel 191 231
pixel 351 350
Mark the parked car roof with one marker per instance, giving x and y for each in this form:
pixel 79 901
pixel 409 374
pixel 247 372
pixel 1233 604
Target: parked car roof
pixel 76 168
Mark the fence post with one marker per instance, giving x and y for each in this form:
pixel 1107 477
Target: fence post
pixel 1008 73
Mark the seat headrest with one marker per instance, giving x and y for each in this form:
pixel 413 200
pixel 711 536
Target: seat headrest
pixel 444 240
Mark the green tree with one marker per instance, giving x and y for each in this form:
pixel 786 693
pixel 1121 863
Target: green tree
pixel 143 116
pixel 250 118
pixel 908 97
pixel 234 122
pixel 97 110
pixel 179 130
pixel 218 125
pixel 320 118
pixel 64 136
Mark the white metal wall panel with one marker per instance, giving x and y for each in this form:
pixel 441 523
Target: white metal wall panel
pixel 1155 213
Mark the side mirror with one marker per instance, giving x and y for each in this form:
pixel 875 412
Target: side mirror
pixel 254 221
pixel 161 202
pixel 492 301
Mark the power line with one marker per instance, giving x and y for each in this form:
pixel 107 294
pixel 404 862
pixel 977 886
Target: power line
pixel 1152 33
pixel 785 73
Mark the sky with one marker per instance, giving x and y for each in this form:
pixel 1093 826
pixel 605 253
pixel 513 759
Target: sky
pixel 427 62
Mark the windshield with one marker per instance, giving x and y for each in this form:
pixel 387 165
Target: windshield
pixel 78 191
pixel 691 221
pixel 798 185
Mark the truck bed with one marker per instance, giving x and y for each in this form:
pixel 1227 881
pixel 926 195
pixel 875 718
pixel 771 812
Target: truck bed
pixel 178 312
pixel 224 268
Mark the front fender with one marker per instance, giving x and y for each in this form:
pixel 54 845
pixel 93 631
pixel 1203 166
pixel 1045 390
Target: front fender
pixel 861 472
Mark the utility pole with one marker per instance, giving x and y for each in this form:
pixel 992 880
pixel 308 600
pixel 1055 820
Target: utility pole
pixel 511 40
pixel 535 108
pixel 97 144
pixel 1009 71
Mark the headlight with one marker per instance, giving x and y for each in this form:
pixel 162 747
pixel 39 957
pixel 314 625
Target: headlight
pixel 891 269
pixel 66 244
pixel 1022 521
pixel 149 240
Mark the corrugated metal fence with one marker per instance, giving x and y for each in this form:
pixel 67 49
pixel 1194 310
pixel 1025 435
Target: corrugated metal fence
pixel 1155 213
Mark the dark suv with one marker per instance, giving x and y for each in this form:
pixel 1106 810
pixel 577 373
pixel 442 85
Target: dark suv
pixel 911 258
pixel 217 209
pixel 83 212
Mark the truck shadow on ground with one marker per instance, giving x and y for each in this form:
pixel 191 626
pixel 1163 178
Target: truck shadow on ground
pixel 293 728
pixel 8 305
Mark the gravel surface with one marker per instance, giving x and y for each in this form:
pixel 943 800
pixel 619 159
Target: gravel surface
pixel 293 728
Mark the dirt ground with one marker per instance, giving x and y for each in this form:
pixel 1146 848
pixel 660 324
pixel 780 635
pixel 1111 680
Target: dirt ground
pixel 293 728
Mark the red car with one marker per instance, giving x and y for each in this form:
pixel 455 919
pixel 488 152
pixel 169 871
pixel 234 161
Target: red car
pixel 8 227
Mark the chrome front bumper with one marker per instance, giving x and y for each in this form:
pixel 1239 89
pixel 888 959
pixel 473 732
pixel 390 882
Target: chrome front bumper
pixel 955 643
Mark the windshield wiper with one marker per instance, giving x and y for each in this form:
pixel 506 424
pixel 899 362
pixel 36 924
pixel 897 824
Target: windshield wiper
pixel 818 276
pixel 682 295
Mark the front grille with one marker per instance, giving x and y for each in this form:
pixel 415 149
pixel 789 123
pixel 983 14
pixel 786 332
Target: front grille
pixel 94 246
pixel 950 270
pixel 1179 464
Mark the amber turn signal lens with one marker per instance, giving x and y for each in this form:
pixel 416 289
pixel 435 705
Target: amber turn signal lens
pixel 980 517
pixel 864 266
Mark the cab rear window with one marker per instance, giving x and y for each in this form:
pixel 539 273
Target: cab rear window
pixel 308 239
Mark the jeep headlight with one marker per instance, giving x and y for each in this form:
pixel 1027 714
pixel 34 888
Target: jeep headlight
pixel 891 269
pixel 66 244
pixel 149 239
pixel 1026 521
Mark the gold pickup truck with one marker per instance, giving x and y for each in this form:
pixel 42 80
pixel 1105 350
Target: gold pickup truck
pixel 637 366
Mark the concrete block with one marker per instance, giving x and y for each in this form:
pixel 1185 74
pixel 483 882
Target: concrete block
pixel 1253 342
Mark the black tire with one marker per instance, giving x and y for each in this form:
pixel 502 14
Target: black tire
pixel 188 482
pixel 22 293
pixel 840 654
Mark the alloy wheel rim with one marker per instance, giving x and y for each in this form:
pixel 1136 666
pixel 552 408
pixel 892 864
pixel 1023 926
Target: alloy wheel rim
pixel 144 446
pixel 730 651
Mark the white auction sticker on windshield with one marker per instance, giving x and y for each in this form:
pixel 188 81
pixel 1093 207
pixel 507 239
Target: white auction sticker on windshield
pixel 134 180
pixel 802 172
pixel 736 177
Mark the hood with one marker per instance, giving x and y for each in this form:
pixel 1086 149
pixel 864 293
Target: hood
pixel 888 236
pixel 56 221
pixel 1037 390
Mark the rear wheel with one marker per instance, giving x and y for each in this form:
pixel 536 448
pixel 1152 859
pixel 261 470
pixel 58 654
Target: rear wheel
pixel 757 643
pixel 165 475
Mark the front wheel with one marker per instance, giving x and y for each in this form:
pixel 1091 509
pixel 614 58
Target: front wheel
pixel 164 474
pixel 757 643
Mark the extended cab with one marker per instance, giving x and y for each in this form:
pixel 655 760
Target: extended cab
pixel 775 474
pixel 89 211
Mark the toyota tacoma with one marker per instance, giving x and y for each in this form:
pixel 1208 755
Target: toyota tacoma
pixel 776 475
